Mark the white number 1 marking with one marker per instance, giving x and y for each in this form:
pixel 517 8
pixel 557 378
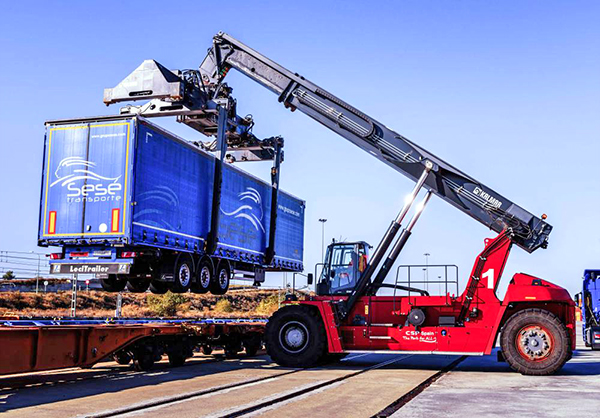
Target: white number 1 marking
pixel 490 276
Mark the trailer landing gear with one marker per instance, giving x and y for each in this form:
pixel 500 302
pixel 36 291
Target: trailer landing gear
pixel 296 337
pixel 535 342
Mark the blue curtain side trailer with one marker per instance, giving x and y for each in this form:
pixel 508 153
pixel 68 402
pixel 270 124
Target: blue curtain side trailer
pixel 132 203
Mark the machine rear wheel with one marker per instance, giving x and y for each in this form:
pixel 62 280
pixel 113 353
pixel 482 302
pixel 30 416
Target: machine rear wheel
pixel 535 342
pixel 295 336
pixel 112 284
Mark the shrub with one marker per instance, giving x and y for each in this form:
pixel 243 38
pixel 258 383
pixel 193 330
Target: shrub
pixel 223 305
pixel 268 305
pixel 165 305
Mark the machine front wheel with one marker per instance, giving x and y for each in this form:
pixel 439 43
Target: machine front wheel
pixel 535 342
pixel 295 337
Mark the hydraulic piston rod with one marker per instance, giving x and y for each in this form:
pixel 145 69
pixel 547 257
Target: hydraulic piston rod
pixel 398 246
pixel 363 284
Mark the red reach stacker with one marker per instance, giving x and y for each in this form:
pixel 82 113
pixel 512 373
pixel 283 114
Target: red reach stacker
pixel 535 321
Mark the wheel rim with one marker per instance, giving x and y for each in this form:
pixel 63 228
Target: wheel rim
pixel 184 275
pixel 293 337
pixel 223 278
pixel 205 277
pixel 534 343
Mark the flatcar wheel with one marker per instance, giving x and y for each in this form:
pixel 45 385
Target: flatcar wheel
pixel 122 357
pixel 143 361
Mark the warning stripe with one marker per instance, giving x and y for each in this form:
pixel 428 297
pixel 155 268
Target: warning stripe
pixel 114 225
pixel 52 222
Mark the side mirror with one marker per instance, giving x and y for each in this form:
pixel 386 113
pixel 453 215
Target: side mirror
pixel 578 299
pixel 309 279
pixel 332 274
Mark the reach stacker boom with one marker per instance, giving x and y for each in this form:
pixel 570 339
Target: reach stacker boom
pixel 536 318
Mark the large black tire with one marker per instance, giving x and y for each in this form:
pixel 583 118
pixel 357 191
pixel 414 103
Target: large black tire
pixel 295 337
pixel 206 350
pixel 535 342
pixel 113 284
pixel 252 346
pixel 138 285
pixel 220 283
pixel 159 288
pixel 204 277
pixel 183 274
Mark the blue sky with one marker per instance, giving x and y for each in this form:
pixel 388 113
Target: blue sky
pixel 506 91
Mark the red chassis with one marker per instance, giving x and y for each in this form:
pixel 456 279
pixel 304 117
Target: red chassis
pixel 540 332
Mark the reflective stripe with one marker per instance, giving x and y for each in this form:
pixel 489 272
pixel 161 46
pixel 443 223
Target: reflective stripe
pixel 114 225
pixel 52 222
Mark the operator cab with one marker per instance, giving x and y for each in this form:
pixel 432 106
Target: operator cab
pixel 344 264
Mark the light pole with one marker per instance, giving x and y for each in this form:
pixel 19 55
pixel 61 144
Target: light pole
pixel 323 220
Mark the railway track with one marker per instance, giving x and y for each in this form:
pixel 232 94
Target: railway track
pixel 273 401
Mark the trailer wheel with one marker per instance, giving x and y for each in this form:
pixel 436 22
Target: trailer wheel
pixel 138 285
pixel 206 350
pixel 535 342
pixel 159 288
pixel 220 282
pixel 204 277
pixel 295 336
pixel 113 284
pixel 183 274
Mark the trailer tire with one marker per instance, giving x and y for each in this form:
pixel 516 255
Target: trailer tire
pixel 159 288
pixel 204 276
pixel 206 350
pixel 113 284
pixel 295 337
pixel 183 274
pixel 535 342
pixel 220 283
pixel 138 285
pixel 252 346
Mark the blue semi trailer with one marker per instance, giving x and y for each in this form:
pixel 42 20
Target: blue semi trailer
pixel 589 301
pixel 135 205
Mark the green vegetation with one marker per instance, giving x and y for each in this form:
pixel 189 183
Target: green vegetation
pixel 223 305
pixel 268 305
pixel 167 304
pixel 9 275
